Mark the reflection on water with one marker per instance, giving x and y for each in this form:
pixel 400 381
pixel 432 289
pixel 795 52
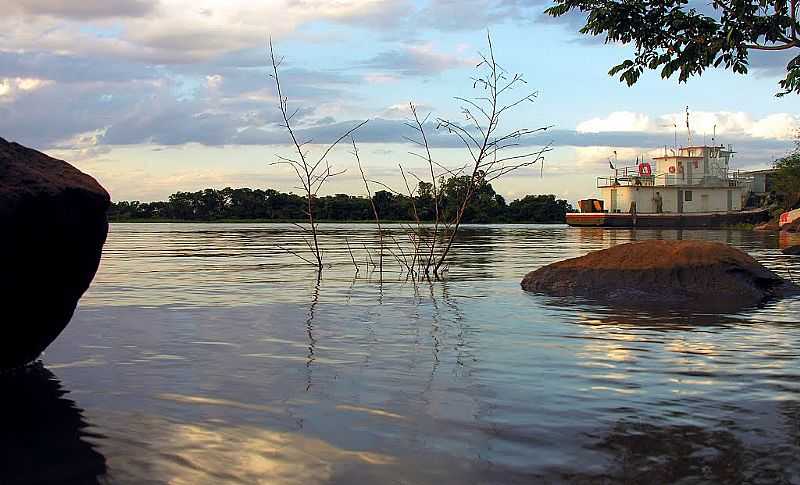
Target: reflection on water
pixel 204 354
pixel 44 436
pixel 215 452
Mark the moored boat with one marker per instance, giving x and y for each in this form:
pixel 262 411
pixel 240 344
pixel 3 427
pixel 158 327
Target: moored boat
pixel 687 220
pixel 689 187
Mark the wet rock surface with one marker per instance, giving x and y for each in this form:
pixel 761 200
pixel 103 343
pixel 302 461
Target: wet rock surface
pixel 791 227
pixel 53 220
pixel 768 226
pixel 684 274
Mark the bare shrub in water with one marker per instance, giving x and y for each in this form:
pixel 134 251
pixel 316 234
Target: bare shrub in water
pixel 311 173
pixel 374 213
pixel 488 149
pixel 490 154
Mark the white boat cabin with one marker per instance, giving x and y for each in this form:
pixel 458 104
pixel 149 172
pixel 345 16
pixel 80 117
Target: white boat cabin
pixel 686 180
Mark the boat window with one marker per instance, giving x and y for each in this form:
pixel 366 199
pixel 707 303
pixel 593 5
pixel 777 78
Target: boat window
pixel 688 195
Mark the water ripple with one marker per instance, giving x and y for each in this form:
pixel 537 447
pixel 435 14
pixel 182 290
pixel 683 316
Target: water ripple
pixel 203 353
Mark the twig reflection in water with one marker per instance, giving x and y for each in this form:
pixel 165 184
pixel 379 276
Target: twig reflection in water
pixel 312 342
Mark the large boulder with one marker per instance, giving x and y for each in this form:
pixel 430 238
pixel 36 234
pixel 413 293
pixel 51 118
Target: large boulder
pixel 52 229
pixel 771 225
pixel 793 226
pixel 663 275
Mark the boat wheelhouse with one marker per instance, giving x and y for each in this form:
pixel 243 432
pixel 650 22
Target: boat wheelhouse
pixel 688 186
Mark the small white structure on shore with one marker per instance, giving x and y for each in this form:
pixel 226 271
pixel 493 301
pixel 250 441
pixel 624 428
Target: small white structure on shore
pixel 693 179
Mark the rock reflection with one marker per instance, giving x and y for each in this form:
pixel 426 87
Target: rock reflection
pixel 647 453
pixel 44 434
pixel 596 314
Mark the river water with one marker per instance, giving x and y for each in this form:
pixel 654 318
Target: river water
pixel 206 354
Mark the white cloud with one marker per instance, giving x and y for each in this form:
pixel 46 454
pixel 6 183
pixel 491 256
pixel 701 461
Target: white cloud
pixel 11 87
pixel 82 146
pixel 379 78
pixel 616 121
pixel 598 156
pixel 214 81
pixel 402 111
pixel 83 9
pixel 176 31
pixel 777 126
pixel 30 84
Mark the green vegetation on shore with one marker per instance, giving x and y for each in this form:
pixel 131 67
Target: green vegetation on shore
pixel 268 205
pixel 787 178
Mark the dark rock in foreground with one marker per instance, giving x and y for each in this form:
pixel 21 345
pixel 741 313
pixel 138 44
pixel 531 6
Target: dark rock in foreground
pixel 668 275
pixel 52 229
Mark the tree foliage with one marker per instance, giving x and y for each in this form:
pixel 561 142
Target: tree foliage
pixel 787 178
pixel 674 36
pixel 232 204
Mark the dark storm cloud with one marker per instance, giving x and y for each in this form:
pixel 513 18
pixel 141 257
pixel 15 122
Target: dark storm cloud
pixel 135 113
pixel 375 131
pixel 164 122
pixel 55 112
pixel 146 101
pixel 72 68
pixel 396 131
pixel 139 103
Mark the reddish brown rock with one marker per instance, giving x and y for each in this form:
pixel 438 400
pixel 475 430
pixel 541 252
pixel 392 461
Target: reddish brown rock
pixel 53 223
pixel 793 226
pixel 662 274
pixel 768 226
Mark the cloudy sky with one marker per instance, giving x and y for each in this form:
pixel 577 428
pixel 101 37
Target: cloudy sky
pixel 155 96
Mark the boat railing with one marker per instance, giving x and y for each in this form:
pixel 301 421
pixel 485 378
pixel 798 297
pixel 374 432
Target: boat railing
pixel 634 179
pixel 637 180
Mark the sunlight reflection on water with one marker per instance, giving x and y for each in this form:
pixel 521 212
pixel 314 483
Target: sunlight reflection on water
pixel 205 354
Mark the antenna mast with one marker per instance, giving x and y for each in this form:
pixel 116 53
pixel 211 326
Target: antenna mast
pixel 688 129
pixel 675 146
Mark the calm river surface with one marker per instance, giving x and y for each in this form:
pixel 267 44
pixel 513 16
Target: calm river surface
pixel 206 354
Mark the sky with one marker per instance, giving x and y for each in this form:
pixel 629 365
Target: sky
pixel 156 96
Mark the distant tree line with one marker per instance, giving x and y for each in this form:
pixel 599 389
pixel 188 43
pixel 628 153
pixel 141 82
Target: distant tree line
pixel 230 204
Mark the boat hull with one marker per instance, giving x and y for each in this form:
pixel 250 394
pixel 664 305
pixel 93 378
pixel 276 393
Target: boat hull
pixel 689 220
